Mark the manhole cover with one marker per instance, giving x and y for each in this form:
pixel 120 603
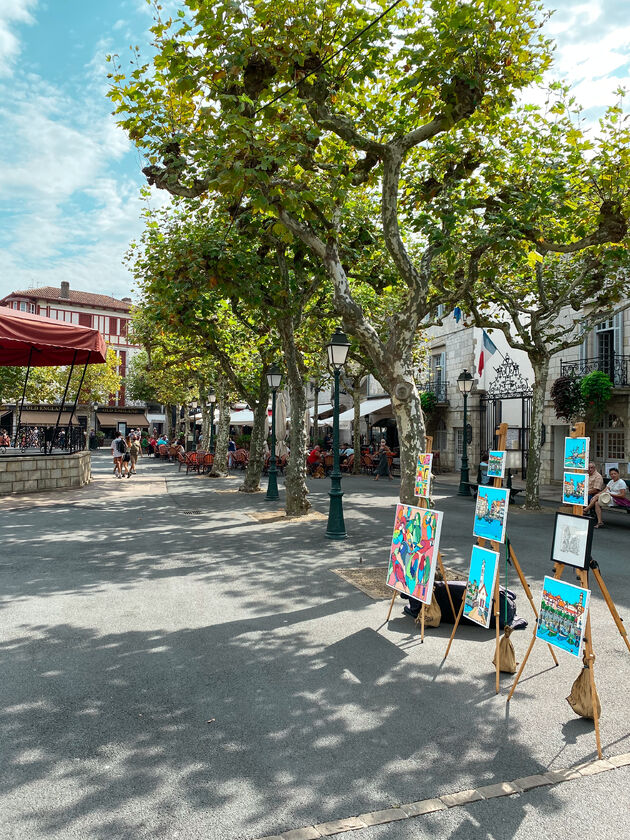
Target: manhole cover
pixel 191 512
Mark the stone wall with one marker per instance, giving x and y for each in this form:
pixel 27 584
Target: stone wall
pixel 24 474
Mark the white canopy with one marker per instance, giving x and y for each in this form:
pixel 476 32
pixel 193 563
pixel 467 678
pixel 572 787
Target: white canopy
pixel 244 417
pixel 321 409
pixel 368 407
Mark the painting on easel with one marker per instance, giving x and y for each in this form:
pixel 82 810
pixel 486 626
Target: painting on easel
pixel 562 616
pixel 496 464
pixel 423 475
pixel 414 551
pixel 491 513
pixel 575 489
pixel 576 453
pixel 482 574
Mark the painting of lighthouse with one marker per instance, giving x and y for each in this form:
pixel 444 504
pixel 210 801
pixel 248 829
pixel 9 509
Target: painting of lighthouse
pixel 491 513
pixel 484 565
pixel 562 615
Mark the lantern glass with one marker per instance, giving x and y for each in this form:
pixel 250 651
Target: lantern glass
pixel 465 382
pixel 338 348
pixel 274 377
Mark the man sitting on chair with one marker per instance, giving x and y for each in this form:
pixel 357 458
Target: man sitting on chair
pixel 618 490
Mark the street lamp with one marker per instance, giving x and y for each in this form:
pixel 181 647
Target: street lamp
pixel 212 398
pixel 274 379
pixel 465 384
pixel 337 348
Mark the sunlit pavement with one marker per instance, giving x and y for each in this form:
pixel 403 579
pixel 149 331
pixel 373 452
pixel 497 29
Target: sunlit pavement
pixel 173 668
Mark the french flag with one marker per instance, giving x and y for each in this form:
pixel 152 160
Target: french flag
pixel 488 346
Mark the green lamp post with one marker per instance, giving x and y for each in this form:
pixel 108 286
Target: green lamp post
pixel 464 383
pixel 337 348
pixel 274 380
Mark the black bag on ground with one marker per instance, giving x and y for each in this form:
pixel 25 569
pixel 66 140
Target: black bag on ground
pixel 458 589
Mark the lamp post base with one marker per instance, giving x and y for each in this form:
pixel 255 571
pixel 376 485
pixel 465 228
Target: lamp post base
pixel 336 528
pixel 272 486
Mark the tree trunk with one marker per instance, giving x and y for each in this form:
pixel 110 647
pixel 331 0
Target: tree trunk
pixel 205 425
pixel 532 484
pixel 219 466
pixel 411 436
pixel 356 428
pixel 315 417
pixel 168 415
pixel 297 503
pixel 251 484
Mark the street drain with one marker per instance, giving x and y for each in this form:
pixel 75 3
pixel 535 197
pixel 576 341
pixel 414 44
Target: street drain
pixel 191 512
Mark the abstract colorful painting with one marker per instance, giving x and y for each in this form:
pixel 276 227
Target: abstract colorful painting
pixel 491 513
pixel 562 615
pixel 575 489
pixel 496 464
pixel 414 551
pixel 572 538
pixel 482 575
pixel 423 475
pixel 576 453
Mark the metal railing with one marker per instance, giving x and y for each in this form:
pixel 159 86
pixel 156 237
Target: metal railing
pixel 438 387
pixel 615 365
pixel 42 440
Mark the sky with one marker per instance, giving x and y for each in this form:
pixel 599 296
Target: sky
pixel 70 179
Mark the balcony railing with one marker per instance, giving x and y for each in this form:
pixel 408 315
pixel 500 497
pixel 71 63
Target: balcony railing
pixel 615 365
pixel 438 387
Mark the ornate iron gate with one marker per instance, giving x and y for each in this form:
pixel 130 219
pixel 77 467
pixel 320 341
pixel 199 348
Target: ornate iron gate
pixel 508 384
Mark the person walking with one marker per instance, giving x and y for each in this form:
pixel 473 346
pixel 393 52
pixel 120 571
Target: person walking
pixel 383 469
pixel 135 452
pixel 119 448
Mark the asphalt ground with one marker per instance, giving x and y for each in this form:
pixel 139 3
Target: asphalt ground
pixel 173 668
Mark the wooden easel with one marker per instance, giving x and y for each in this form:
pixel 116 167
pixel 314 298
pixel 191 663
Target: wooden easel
pixel 498 482
pixel 425 504
pixel 589 657
pixel 579 430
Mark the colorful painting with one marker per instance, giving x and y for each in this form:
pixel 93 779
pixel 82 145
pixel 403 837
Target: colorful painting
pixel 496 464
pixel 575 489
pixel 562 616
pixel 491 513
pixel 576 453
pixel 414 551
pixel 423 475
pixel 484 565
pixel 572 538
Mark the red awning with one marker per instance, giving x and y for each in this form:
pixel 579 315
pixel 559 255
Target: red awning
pixel 53 342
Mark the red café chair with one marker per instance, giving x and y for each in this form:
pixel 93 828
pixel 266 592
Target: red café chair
pixel 207 462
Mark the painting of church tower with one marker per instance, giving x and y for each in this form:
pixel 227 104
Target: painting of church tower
pixel 484 565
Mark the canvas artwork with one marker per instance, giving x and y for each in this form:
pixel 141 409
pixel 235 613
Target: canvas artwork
pixel 575 489
pixel 414 551
pixel 562 616
pixel 482 574
pixel 572 538
pixel 496 464
pixel 576 453
pixel 423 475
pixel 491 513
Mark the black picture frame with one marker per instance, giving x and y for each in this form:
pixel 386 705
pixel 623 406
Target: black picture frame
pixel 560 553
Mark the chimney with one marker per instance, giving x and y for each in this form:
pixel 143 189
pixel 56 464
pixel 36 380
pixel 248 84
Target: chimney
pixel 64 292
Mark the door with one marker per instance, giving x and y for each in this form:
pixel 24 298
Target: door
pixel 459 448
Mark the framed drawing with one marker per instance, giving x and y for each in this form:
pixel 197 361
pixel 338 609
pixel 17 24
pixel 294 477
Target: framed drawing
pixel 496 464
pixel 414 551
pixel 484 565
pixel 572 539
pixel 562 615
pixel 576 453
pixel 575 489
pixel 423 475
pixel 491 513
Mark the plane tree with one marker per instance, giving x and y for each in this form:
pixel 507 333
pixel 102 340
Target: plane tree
pixel 297 109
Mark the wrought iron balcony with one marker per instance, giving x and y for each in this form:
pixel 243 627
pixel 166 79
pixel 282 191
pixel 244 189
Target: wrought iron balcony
pixel 438 387
pixel 614 364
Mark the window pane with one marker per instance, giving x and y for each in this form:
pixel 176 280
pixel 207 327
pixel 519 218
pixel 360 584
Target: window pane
pixel 615 448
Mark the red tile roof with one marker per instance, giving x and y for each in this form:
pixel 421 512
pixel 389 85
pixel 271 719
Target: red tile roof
pixel 79 298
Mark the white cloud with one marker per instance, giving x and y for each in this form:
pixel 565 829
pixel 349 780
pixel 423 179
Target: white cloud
pixel 12 13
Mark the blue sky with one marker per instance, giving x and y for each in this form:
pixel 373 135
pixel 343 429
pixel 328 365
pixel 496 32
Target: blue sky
pixel 69 178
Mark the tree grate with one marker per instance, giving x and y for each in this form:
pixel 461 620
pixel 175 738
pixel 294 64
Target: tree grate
pixel 191 512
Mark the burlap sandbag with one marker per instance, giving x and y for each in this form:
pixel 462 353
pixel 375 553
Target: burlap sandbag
pixel 432 614
pixel 581 699
pixel 507 657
